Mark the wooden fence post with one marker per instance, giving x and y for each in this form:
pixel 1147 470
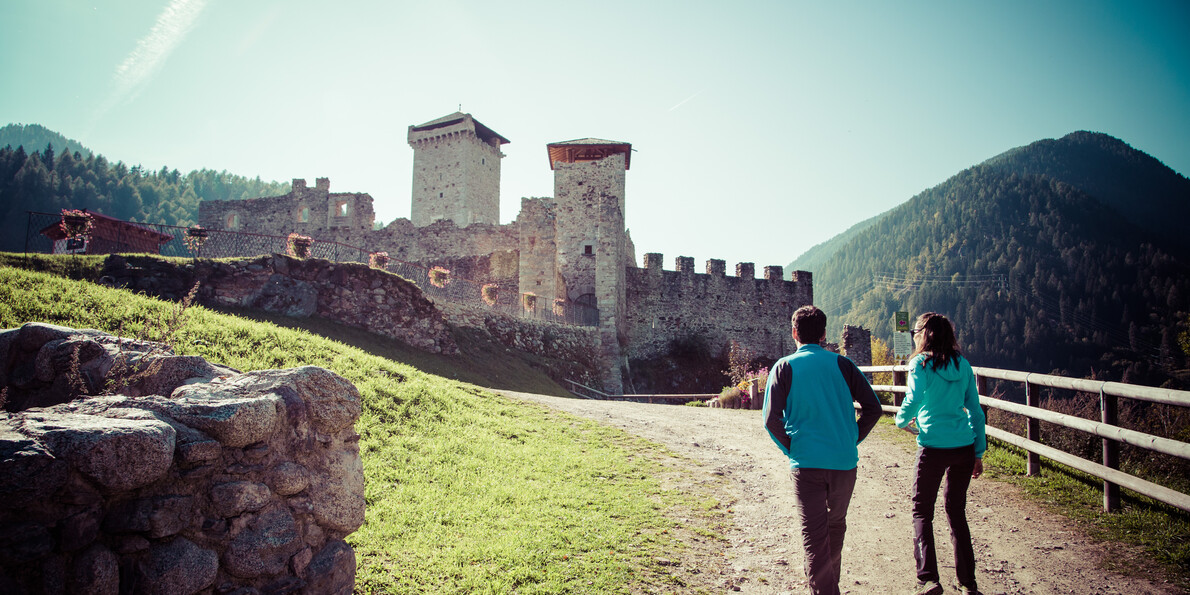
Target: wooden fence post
pixel 899 379
pixel 1109 414
pixel 1033 432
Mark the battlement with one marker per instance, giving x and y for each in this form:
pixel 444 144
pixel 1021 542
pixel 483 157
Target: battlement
pixel 718 268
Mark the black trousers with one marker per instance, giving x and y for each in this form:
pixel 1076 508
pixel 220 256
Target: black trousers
pixel 932 464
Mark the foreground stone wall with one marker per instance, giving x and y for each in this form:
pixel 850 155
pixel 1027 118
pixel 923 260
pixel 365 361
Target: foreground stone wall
pixel 351 293
pixel 196 479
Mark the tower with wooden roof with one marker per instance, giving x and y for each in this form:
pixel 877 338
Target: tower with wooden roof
pixel 590 236
pixel 456 171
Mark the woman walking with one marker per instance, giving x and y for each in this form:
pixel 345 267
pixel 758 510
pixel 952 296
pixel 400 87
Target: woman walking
pixel 943 403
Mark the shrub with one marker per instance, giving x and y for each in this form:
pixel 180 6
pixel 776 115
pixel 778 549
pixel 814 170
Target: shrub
pixel 696 403
pixel 196 236
pixel 439 277
pixel 731 398
pixel 378 260
pixel 298 246
pixel 489 293
pixel 76 223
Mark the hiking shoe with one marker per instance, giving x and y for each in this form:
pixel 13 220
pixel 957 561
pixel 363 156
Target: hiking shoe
pixel 971 591
pixel 928 588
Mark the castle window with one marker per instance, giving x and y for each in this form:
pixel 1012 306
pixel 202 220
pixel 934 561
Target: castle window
pixel 233 221
pixel 439 195
pixel 587 250
pixel 304 215
pixel 483 161
pixel 341 208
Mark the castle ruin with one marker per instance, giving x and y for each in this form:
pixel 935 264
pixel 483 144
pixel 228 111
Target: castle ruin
pixel 572 248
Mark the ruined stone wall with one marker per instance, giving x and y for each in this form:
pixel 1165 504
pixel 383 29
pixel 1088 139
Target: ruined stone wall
pixel 194 479
pixel 857 344
pixel 443 242
pixel 350 293
pixel 565 352
pixel 667 305
pixel 456 176
pixel 314 212
pixel 538 249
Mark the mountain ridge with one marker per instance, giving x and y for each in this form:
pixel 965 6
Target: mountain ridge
pixel 1038 270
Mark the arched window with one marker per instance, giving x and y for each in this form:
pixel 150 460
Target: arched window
pixel 233 221
pixel 303 214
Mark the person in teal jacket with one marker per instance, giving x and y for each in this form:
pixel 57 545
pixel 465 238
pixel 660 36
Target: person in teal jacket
pixel 942 407
pixel 809 412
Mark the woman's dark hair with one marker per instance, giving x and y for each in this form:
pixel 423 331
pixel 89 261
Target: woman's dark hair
pixel 938 341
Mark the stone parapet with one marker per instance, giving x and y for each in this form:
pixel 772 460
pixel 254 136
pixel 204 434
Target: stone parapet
pixel 197 480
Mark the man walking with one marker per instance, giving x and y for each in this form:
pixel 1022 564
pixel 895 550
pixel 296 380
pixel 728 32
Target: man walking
pixel 808 412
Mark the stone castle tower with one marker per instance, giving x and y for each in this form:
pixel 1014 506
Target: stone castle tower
pixel 590 238
pixel 456 171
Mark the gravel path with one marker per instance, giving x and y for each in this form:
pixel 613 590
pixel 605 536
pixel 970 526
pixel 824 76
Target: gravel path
pixel 1019 547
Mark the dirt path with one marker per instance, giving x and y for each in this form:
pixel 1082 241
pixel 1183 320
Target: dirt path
pixel 1019 547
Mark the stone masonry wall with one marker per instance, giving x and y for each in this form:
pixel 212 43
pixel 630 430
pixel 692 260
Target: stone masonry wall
pixel 314 212
pixel 857 344
pixel 564 352
pixel 192 479
pixel 350 293
pixel 668 305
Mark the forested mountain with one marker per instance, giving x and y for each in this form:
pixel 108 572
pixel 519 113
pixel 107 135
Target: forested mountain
pixel 1039 271
pixel 36 137
pixel 1141 188
pixel 48 180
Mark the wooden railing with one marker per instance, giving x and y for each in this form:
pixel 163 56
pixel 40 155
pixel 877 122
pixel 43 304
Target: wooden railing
pixel 1107 428
pixel 587 392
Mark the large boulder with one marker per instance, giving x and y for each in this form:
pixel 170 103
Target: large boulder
pixel 192 478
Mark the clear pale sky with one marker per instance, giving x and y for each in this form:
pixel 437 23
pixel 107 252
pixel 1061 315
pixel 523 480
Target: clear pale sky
pixel 759 128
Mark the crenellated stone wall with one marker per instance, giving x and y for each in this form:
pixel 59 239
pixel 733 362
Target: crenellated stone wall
pixel 351 293
pixel 191 478
pixel 664 306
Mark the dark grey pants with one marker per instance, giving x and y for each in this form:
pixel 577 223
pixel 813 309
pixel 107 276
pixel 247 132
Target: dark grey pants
pixel 932 464
pixel 822 497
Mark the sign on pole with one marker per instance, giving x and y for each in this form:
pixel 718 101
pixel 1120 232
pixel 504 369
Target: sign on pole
pixel 902 342
pixel 902 345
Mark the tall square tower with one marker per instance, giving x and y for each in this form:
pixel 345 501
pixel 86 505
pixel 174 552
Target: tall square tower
pixel 456 171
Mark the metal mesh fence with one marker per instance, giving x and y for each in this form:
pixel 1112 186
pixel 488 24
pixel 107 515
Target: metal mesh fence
pixel 112 236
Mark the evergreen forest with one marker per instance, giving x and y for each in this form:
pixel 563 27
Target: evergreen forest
pixel 1060 257
pixel 48 179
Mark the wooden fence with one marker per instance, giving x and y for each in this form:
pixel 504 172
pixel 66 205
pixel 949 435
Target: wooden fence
pixel 1107 428
pixel 587 392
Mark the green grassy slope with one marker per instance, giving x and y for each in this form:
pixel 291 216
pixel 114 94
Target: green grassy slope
pixel 466 491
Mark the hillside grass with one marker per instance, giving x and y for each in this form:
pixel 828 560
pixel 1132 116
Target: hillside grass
pixel 467 491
